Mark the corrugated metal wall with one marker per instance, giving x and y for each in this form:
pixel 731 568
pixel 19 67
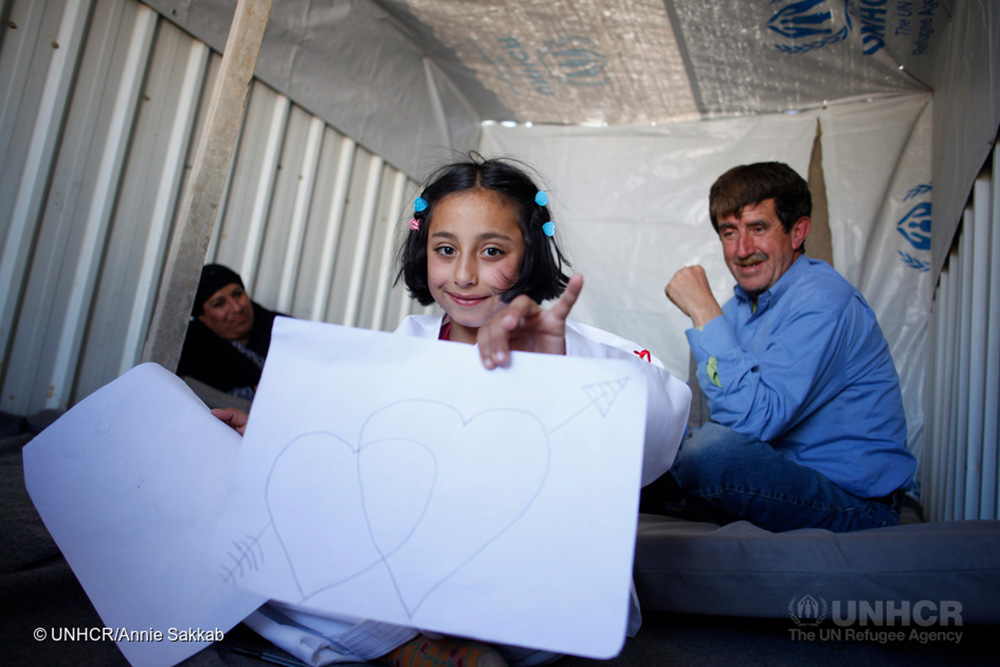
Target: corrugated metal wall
pixel 961 464
pixel 101 104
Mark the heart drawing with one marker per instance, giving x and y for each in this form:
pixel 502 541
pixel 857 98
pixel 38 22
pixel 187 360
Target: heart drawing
pixel 421 492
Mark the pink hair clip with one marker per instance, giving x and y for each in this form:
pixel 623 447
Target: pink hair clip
pixel 415 225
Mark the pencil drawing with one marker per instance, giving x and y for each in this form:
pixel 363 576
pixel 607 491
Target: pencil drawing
pixel 379 502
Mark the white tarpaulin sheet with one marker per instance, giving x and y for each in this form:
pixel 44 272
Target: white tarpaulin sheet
pixel 632 208
pixel 407 77
pixel 877 166
pixel 581 61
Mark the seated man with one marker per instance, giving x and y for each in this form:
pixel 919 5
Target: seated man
pixel 228 336
pixel 807 423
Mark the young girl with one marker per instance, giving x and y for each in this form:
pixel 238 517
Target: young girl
pixel 482 246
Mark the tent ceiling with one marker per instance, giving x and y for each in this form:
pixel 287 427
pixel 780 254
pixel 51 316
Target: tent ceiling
pixel 431 71
pixel 640 61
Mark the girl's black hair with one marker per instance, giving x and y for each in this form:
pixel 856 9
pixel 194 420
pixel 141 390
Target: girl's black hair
pixel 541 276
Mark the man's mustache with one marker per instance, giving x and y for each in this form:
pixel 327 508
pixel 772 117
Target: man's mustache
pixel 755 258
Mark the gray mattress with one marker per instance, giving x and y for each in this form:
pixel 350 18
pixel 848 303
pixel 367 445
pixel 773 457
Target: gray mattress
pixel 680 566
pixel 742 570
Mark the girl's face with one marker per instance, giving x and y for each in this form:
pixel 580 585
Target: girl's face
pixel 474 254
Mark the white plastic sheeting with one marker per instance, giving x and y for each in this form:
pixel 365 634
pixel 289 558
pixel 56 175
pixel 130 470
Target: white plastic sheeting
pixel 406 76
pixel 354 64
pixel 877 167
pixel 967 112
pixel 632 208
pixel 407 79
pixel 576 61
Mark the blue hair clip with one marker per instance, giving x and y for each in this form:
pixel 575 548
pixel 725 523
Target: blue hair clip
pixel 549 228
pixel 419 205
pixel 541 198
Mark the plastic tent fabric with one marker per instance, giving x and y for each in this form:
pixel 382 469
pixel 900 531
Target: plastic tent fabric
pixel 629 110
pixel 636 210
pixel 397 74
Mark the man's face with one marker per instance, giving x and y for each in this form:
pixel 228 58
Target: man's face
pixel 757 249
pixel 228 313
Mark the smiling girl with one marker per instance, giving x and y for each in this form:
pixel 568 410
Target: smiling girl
pixel 482 246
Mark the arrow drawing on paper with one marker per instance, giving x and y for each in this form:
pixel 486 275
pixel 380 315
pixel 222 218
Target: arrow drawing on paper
pixel 341 508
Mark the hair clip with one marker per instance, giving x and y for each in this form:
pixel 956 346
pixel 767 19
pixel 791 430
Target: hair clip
pixel 419 205
pixel 541 198
pixel 415 225
pixel 549 228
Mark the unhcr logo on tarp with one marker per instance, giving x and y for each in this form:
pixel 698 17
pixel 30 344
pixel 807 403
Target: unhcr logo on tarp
pixel 915 226
pixel 571 59
pixel 810 24
pixel 807 25
pixel 519 62
pixel 813 24
pixel 574 60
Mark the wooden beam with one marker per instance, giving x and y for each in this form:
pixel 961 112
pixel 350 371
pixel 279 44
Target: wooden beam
pixel 204 191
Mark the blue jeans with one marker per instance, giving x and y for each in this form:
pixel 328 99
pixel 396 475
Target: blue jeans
pixel 748 479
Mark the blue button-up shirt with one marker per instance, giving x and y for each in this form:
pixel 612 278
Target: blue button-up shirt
pixel 808 370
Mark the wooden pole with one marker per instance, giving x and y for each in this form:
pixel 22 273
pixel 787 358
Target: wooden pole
pixel 201 199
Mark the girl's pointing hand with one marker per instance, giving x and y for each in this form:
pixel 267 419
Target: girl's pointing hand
pixel 526 327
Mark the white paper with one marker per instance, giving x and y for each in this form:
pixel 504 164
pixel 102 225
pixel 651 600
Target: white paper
pixel 130 484
pixel 394 478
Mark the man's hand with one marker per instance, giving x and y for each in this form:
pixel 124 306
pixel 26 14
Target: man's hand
pixel 524 326
pixel 232 417
pixel 689 291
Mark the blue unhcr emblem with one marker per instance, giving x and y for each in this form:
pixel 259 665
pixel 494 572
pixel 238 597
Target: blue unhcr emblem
pixel 572 59
pixel 915 226
pixel 914 263
pixel 798 20
pixel 809 23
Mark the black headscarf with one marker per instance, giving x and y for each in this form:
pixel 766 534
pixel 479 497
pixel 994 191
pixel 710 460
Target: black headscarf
pixel 213 278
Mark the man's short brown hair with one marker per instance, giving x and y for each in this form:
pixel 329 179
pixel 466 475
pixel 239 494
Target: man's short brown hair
pixel 750 184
